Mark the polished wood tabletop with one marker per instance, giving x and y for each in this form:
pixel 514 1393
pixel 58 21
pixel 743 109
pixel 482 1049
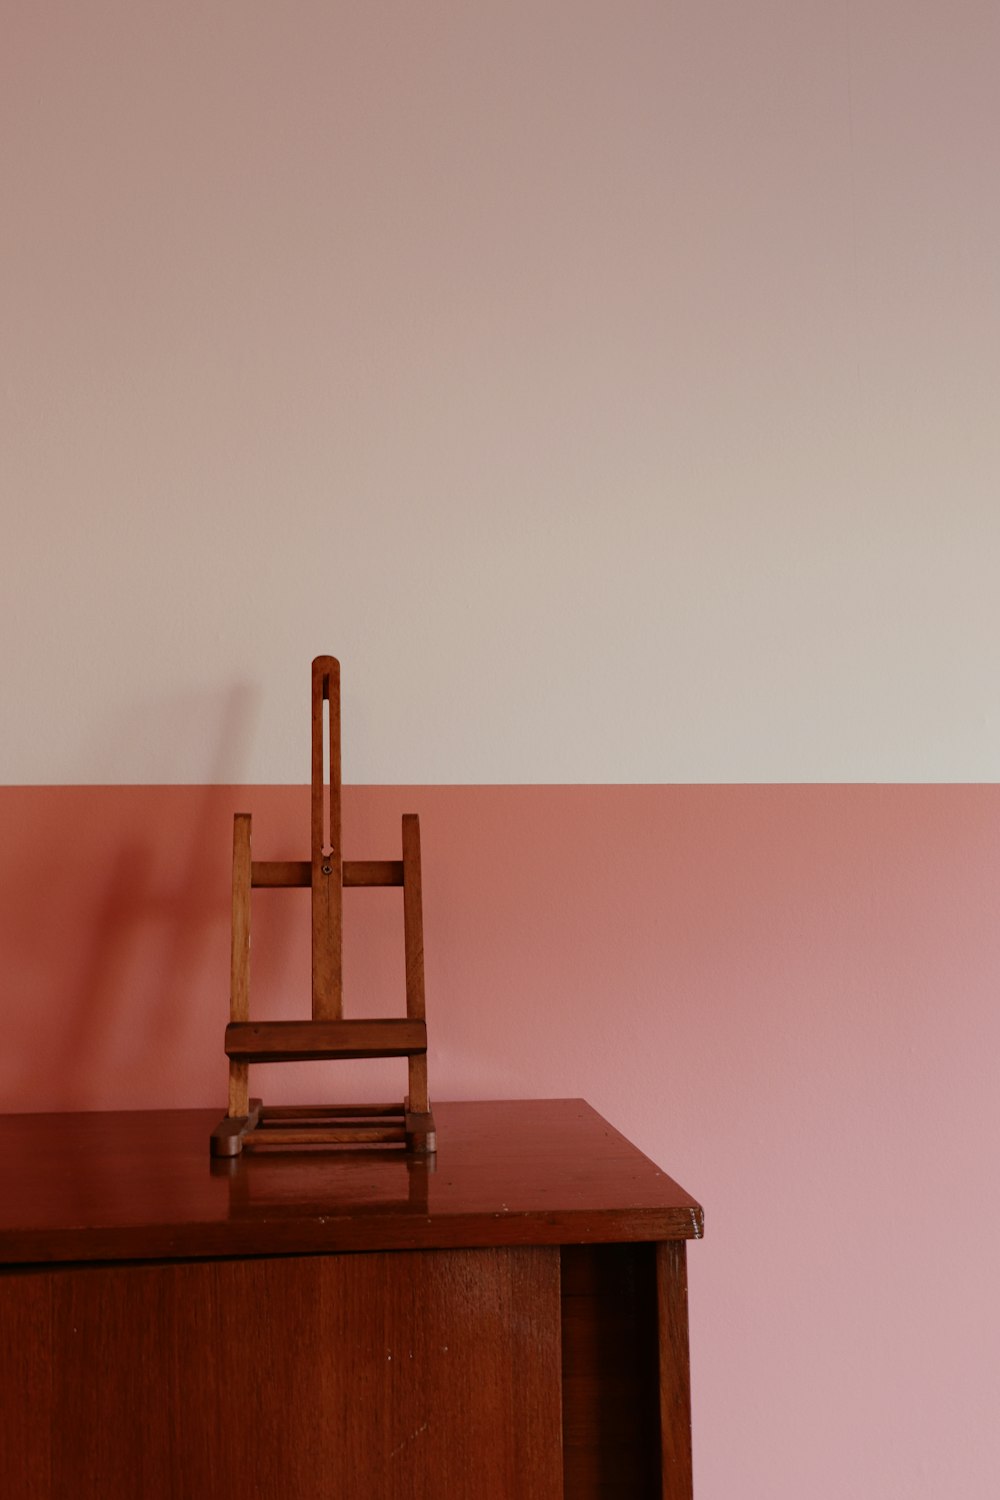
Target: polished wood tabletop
pixel 141 1185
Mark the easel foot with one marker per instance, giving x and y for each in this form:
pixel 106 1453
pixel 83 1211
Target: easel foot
pixel 227 1137
pixel 297 1126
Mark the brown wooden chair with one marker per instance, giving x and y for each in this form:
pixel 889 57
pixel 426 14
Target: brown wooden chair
pixel 326 1034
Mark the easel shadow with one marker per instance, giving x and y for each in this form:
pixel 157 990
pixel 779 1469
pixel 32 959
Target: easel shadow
pixel 150 936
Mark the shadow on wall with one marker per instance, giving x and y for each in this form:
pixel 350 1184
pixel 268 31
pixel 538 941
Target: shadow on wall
pixel 116 901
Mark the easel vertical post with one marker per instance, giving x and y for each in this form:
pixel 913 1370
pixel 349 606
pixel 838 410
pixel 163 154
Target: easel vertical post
pixel 413 941
pixel 239 982
pixel 327 856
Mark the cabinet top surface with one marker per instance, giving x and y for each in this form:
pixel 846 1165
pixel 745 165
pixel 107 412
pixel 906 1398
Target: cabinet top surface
pixel 129 1186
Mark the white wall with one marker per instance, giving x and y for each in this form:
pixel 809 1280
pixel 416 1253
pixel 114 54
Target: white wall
pixel 612 387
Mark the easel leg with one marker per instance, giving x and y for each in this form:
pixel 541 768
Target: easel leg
pixel 418 1101
pixel 239 1090
pixel 239 987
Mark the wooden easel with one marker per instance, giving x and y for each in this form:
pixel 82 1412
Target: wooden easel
pixel 248 1122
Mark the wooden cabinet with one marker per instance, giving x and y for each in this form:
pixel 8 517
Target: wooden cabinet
pixel 505 1321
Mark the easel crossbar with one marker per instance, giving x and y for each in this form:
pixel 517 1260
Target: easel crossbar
pixel 271 873
pixel 300 1041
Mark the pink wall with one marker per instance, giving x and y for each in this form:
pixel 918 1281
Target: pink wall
pixel 785 994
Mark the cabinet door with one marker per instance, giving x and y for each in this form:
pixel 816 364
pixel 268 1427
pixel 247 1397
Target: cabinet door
pixel 380 1376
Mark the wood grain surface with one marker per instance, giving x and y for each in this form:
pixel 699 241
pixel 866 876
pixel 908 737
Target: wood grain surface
pixel 140 1185
pixel 164 1335
pixel 369 1377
